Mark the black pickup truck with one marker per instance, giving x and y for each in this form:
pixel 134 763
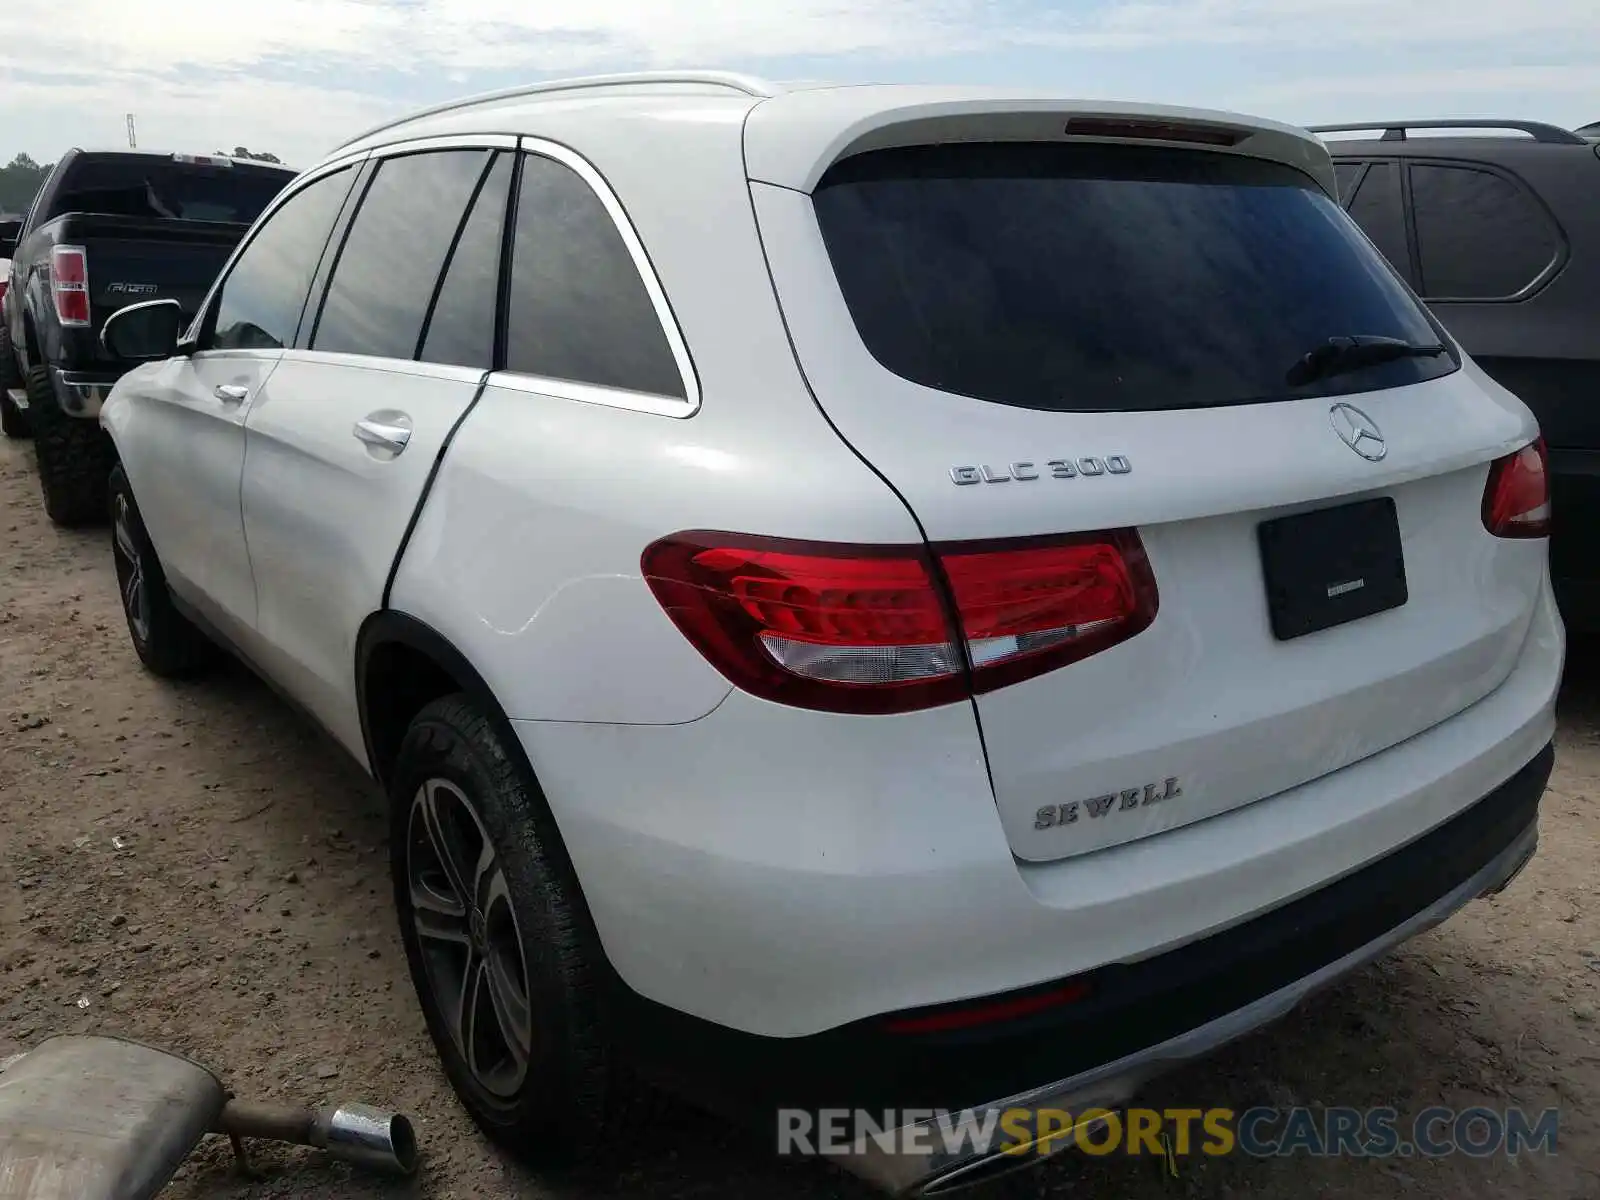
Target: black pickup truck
pixel 107 229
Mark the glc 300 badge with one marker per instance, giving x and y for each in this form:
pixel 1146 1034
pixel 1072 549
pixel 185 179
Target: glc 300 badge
pixel 1056 468
pixel 1052 815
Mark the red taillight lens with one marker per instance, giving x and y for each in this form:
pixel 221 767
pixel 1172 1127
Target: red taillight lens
pixel 875 629
pixel 69 284
pixel 993 1012
pixel 1516 500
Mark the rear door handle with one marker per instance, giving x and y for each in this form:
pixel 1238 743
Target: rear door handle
pixel 231 393
pixel 385 435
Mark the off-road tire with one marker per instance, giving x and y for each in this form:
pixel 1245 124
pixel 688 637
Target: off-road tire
pixel 74 456
pixel 577 1100
pixel 13 420
pixel 164 639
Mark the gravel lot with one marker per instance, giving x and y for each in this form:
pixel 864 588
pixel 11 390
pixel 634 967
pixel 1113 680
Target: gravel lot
pixel 193 866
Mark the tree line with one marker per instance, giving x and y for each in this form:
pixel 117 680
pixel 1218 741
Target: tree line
pixel 21 178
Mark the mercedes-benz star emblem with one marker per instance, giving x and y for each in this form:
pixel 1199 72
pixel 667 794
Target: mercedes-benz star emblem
pixel 1358 431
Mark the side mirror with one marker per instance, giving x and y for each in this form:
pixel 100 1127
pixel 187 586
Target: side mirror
pixel 146 332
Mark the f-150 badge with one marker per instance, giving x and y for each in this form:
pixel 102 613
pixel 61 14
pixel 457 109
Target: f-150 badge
pixel 1052 815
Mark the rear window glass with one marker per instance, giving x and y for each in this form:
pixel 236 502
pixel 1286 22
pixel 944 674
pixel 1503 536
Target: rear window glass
pixel 161 188
pixel 1107 278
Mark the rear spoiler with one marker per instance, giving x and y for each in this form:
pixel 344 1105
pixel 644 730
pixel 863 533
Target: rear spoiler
pixel 792 139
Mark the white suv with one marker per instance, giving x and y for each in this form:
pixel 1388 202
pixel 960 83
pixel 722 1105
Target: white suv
pixel 891 597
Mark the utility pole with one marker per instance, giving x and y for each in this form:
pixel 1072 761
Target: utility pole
pixel 133 141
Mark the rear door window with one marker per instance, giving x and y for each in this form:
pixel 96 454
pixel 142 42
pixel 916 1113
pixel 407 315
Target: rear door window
pixel 1378 208
pixel 460 329
pixel 1479 235
pixel 383 281
pixel 1107 278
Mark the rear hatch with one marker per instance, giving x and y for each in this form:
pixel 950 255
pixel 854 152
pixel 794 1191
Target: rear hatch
pixel 1101 334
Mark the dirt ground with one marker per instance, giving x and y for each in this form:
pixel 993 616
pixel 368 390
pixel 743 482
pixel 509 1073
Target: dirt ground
pixel 191 865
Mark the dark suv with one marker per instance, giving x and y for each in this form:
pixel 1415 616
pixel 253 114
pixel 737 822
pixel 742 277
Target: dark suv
pixel 1500 233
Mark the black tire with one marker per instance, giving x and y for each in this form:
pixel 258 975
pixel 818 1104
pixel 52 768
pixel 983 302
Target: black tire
pixel 13 420
pixel 165 640
pixel 74 456
pixel 573 1099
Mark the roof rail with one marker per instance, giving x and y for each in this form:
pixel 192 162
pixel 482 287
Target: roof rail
pixel 1395 131
pixel 749 85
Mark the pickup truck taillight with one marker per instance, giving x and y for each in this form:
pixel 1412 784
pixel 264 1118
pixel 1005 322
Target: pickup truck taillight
pixel 69 284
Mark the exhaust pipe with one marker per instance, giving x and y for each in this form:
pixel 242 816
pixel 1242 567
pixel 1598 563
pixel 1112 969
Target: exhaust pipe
pixel 354 1133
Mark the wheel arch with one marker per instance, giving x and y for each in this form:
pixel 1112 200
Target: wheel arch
pixel 402 664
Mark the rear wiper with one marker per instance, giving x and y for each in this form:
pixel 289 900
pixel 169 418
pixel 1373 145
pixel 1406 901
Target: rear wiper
pixel 1340 354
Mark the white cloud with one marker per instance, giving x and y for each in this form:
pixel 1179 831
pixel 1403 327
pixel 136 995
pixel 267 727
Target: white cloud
pixel 202 74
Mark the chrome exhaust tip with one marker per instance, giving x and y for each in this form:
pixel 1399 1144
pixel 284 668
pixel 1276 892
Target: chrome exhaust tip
pixel 367 1137
pixel 358 1134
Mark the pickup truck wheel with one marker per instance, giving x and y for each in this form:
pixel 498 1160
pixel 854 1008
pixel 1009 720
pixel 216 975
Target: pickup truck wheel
pixel 165 640
pixel 13 420
pixel 74 456
pixel 499 942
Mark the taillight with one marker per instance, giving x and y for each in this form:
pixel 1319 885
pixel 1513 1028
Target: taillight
pixel 69 284
pixel 1516 500
pixel 879 629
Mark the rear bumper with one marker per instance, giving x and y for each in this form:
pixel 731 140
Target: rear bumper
pixel 899 1164
pixel 785 874
pixel 81 393
pixel 1137 1021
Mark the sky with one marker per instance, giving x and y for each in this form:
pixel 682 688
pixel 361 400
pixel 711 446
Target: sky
pixel 296 77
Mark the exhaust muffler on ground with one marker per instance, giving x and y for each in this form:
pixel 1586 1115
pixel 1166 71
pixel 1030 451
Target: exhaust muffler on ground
pixel 104 1118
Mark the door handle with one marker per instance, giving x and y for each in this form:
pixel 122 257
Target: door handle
pixel 385 435
pixel 231 393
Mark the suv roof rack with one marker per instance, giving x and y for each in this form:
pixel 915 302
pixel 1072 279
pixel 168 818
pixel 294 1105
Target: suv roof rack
pixel 1395 131
pixel 748 85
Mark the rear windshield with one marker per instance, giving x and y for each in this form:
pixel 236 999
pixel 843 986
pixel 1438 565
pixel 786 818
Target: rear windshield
pixel 1108 278
pixel 163 188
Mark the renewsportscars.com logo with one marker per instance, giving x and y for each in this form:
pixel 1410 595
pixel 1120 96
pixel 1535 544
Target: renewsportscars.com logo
pixel 1261 1132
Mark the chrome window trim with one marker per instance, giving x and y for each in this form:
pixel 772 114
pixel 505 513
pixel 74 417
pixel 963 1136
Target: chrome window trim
pixel 397 366
pixel 591 393
pixel 447 141
pixel 587 393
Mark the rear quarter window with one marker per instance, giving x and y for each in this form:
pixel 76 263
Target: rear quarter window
pixel 1077 277
pixel 1479 235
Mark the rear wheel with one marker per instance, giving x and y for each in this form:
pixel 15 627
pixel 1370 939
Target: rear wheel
pixel 166 642
pixel 13 420
pixel 498 940
pixel 74 456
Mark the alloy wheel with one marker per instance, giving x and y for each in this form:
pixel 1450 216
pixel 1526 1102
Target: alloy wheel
pixel 467 932
pixel 130 570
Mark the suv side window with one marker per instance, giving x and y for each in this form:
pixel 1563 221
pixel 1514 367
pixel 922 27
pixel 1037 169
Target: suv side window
pixel 579 310
pixel 1378 209
pixel 460 327
pixel 259 305
pixel 384 278
pixel 1479 235
pixel 1345 175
